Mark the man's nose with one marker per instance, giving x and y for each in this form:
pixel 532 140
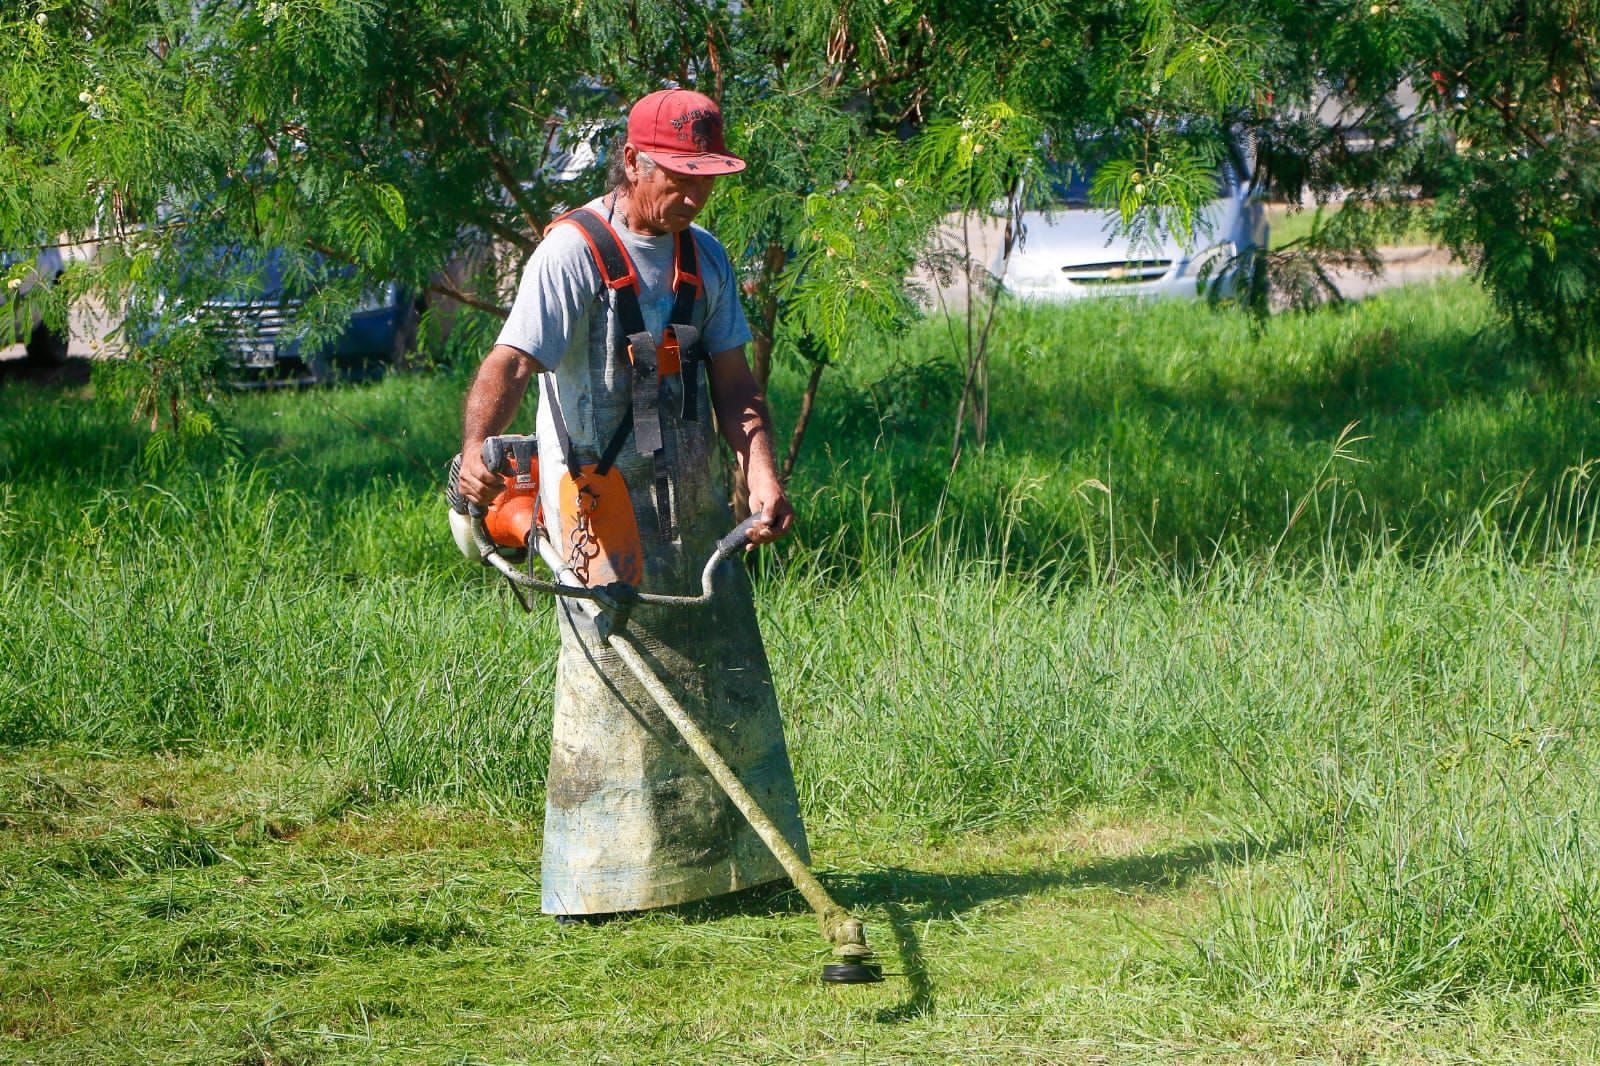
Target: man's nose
pixel 697 190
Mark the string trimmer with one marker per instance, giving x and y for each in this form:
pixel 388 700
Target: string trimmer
pixel 511 527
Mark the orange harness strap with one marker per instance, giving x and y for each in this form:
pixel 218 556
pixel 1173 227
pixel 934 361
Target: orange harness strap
pixel 679 351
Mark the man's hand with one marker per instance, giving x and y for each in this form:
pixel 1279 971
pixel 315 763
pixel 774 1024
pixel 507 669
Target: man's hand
pixel 479 484
pixel 502 379
pixel 773 512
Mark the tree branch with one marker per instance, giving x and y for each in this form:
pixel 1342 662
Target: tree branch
pixel 507 178
pixel 513 236
pixel 497 162
pixel 444 288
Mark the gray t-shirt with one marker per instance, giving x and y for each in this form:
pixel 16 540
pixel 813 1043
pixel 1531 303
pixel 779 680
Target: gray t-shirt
pixel 549 319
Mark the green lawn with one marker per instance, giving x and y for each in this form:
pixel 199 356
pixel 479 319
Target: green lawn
pixel 1291 224
pixel 1183 723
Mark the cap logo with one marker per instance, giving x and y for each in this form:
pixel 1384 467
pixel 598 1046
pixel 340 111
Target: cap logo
pixel 704 128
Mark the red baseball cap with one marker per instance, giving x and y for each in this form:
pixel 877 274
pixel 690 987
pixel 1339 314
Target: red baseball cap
pixel 682 131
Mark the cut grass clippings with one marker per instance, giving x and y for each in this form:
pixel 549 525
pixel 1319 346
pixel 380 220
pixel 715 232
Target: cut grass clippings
pixel 401 932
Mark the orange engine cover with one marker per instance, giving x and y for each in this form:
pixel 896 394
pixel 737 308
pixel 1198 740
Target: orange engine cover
pixel 515 512
pixel 511 516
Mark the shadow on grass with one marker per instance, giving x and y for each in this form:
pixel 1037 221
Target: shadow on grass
pixel 907 897
pixel 928 895
pixel 72 372
pixel 913 967
pixel 331 443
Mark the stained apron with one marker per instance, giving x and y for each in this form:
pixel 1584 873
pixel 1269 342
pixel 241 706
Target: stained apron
pixel 632 819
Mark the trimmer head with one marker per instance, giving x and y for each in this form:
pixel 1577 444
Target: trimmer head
pixel 852 973
pixel 855 965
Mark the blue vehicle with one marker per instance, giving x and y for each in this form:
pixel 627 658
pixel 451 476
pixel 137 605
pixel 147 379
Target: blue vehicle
pixel 255 323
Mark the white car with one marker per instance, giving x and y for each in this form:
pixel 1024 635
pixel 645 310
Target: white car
pixel 44 345
pixel 1071 250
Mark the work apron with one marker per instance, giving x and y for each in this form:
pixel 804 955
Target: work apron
pixel 632 819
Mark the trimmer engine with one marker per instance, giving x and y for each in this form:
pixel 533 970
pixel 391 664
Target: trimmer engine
pixel 514 518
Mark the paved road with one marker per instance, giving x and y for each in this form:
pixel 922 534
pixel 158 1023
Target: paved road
pixel 1403 265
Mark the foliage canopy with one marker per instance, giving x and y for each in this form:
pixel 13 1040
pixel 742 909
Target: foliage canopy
pixel 371 140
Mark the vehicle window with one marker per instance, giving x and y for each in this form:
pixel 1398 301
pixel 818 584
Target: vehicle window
pixel 1069 184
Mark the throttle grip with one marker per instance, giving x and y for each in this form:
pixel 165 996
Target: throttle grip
pixel 510 454
pixel 738 537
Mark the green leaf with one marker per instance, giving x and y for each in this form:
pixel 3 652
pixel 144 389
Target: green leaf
pixel 393 204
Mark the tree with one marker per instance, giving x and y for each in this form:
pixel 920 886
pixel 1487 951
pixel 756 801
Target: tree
pixel 372 140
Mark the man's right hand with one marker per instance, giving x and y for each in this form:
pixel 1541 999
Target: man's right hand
pixel 502 379
pixel 479 484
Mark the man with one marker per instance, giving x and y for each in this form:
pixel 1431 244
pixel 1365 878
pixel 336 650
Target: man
pixel 617 310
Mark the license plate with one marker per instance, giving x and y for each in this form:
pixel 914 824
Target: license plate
pixel 263 354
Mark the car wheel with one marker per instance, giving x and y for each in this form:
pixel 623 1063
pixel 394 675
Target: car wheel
pixel 320 368
pixel 46 347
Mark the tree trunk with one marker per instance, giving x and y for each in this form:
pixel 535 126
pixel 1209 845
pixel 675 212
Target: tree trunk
pixel 800 424
pixel 766 326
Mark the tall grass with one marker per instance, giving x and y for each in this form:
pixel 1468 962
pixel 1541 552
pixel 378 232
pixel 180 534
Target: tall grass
pixel 1333 586
pixel 1173 434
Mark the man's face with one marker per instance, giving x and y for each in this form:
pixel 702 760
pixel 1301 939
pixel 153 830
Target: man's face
pixel 663 201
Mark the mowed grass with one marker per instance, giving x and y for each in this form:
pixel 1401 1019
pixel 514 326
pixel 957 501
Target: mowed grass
pixel 1184 722
pixel 321 926
pixel 1289 224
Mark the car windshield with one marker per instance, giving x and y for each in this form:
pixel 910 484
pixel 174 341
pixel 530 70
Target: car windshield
pixel 1068 184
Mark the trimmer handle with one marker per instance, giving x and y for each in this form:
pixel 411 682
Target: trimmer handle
pixel 510 454
pixel 737 537
pixel 620 595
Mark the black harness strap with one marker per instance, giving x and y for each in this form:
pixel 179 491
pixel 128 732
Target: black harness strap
pixel 686 282
pixel 608 457
pixel 616 266
pixel 563 438
pixel 687 285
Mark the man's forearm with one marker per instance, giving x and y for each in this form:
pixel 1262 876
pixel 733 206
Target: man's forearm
pixel 747 427
pixel 495 394
pixel 743 416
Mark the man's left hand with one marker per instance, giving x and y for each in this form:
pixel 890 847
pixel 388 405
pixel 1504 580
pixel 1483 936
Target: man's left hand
pixel 774 513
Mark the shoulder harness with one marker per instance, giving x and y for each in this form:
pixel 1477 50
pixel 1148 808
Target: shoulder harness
pixel 681 351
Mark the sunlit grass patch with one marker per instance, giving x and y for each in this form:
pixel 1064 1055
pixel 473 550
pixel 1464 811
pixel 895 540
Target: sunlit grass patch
pixel 1237 703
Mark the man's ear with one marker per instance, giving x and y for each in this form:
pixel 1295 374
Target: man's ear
pixel 630 162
